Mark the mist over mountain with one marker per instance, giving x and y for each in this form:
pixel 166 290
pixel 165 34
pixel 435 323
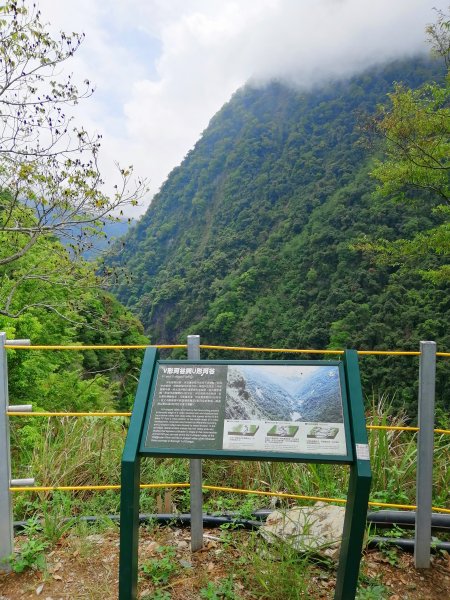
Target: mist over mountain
pixel 111 231
pixel 251 240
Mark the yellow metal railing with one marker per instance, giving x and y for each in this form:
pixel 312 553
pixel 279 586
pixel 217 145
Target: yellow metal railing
pixel 144 486
pixel 212 487
pixel 228 348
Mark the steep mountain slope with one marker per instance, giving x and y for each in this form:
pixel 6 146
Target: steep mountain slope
pixel 256 397
pixel 310 398
pixel 250 239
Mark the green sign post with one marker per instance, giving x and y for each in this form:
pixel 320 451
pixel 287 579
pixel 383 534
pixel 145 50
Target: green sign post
pixel 292 411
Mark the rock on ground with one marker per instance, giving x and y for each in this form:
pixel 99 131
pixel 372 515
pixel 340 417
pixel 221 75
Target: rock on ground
pixel 315 528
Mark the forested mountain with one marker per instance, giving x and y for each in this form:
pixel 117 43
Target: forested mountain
pixel 253 239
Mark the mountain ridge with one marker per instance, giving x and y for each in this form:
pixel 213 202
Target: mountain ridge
pixel 251 240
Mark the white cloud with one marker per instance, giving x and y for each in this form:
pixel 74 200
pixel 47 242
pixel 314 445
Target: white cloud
pixel 163 69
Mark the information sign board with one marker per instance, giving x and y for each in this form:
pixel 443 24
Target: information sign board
pixel 295 409
pixel 303 411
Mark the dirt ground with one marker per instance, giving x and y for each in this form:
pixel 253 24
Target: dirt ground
pixel 87 568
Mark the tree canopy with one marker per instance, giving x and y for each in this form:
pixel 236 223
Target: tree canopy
pixel 415 167
pixel 53 204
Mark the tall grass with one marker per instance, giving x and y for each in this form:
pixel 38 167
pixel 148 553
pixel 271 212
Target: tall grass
pixel 393 455
pixel 87 451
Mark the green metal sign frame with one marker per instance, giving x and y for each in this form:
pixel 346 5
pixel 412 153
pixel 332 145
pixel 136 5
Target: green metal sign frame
pixel 356 457
pixel 278 455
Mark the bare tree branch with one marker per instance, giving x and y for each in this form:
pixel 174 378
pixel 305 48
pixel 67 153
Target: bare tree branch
pixel 50 181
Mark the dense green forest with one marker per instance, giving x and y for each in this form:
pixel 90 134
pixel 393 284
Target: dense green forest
pixel 52 311
pixel 256 238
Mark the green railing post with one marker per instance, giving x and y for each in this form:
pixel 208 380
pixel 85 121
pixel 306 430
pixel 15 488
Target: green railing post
pixel 130 481
pixel 129 529
pixel 359 487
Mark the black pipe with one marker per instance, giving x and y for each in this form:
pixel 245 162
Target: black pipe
pixel 381 518
pixel 388 518
pixel 378 518
pixel 172 519
pixel 404 544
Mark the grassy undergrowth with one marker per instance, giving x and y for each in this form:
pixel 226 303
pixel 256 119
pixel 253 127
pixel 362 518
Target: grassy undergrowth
pixel 87 451
pixel 246 566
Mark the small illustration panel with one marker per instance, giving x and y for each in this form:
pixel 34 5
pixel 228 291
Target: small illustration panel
pixel 243 429
pixel 323 433
pixel 283 430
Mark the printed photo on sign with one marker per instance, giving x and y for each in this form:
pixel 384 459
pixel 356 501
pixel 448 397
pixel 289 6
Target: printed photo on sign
pixel 284 393
pixel 287 408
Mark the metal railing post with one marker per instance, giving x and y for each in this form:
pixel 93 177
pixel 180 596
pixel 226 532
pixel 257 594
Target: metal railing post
pixel 6 516
pixel 195 467
pixel 425 448
pixel 6 519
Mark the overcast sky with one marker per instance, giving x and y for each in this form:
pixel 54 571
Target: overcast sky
pixel 162 68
